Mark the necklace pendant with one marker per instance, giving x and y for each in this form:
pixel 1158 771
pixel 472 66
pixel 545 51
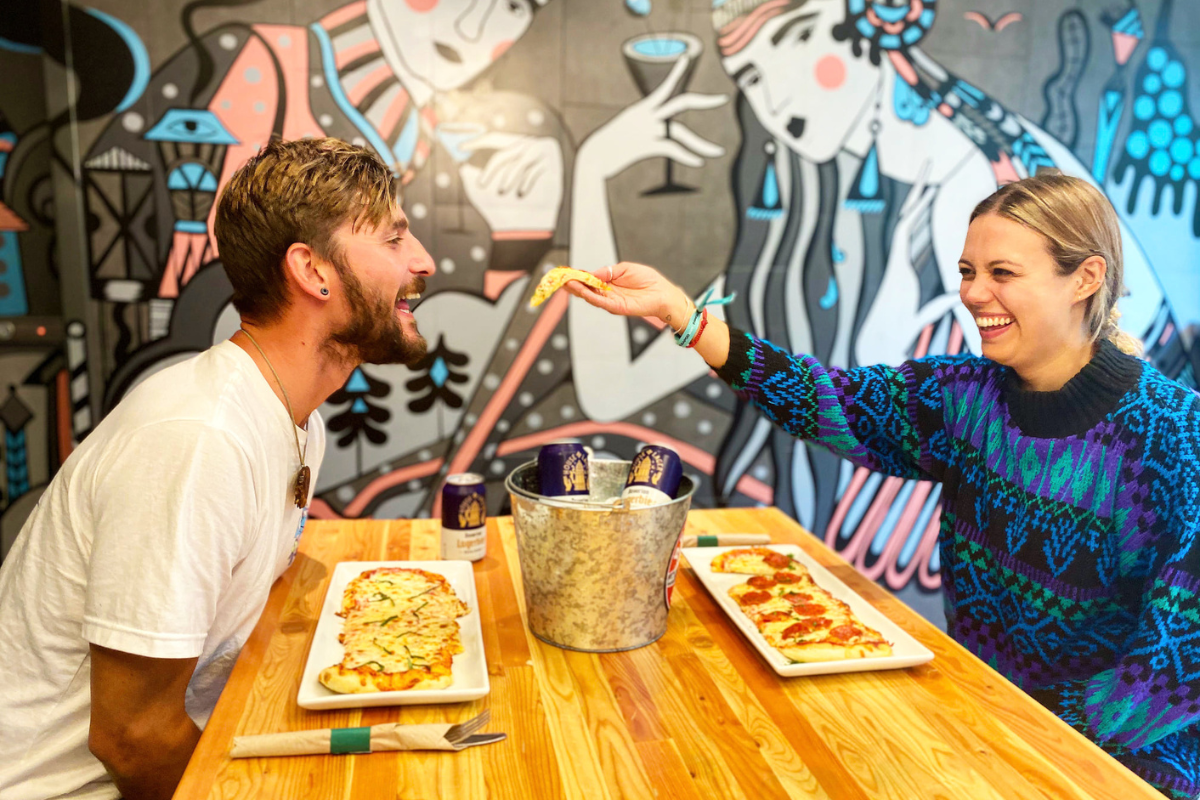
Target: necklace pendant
pixel 302 479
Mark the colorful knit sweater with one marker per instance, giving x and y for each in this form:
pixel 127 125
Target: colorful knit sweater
pixel 1069 525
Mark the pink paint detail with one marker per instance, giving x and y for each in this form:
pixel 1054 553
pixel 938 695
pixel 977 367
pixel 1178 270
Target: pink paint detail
pixel 737 34
pixel 421 6
pixel 250 129
pixel 391 117
pixel 1123 47
pixel 359 50
pixel 504 236
pixel 839 514
pixel 831 72
pixel 1006 171
pixel 954 345
pixel 689 453
pixel 526 356
pixel 946 111
pixel 930 582
pixel 856 552
pixel 5 146
pixel 923 342
pixel 496 280
pixel 501 49
pixel 298 120
pixel 369 81
pixel 1011 18
pixel 1166 334
pixel 319 509
pixel 344 14
pixel 393 478
pixel 893 576
pixel 903 68
pixel 915 10
pixel 975 16
pixel 188 252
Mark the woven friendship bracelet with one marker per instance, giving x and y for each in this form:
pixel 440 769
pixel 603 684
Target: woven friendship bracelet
pixel 690 333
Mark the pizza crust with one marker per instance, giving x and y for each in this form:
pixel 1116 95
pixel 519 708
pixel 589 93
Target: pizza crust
pixel 365 679
pixel 556 278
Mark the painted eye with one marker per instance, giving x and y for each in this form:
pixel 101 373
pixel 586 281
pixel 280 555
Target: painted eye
pixel 750 78
pixel 518 7
pixel 804 35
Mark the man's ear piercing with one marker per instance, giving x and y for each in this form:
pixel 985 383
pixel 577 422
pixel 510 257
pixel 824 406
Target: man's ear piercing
pixel 325 290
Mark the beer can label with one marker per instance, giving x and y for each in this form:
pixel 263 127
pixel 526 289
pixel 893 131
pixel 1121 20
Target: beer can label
pixel 642 496
pixel 563 471
pixel 464 502
pixel 672 569
pixel 655 467
pixel 464 544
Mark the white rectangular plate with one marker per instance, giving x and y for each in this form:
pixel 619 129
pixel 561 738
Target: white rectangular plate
pixel 906 651
pixel 470 666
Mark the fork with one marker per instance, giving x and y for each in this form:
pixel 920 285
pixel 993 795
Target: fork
pixel 458 733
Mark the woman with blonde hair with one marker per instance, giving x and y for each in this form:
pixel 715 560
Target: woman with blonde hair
pixel 1070 468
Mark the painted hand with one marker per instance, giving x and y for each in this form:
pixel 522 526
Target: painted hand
pixel 640 131
pixel 521 185
pixel 638 291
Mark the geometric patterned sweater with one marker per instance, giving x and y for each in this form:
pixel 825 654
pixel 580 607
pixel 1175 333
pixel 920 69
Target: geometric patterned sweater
pixel 1069 525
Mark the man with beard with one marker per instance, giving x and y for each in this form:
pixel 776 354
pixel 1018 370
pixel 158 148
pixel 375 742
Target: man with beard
pixel 134 584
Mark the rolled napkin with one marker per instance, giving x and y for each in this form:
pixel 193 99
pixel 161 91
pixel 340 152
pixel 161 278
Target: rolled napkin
pixel 373 739
pixel 724 539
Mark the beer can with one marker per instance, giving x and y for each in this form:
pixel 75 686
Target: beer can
pixel 563 471
pixel 654 476
pixel 464 517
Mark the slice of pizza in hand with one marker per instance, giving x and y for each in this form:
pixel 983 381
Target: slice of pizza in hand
pixel 756 561
pixel 556 278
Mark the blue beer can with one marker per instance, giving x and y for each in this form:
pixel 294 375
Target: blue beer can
pixel 654 476
pixel 563 471
pixel 464 517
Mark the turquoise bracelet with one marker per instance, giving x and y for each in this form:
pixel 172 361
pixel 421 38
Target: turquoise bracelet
pixel 684 336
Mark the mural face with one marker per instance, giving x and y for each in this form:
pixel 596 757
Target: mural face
pixel 447 43
pixel 807 89
pixel 825 157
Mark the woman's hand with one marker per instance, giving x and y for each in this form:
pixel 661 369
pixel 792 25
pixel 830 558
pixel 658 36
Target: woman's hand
pixel 637 291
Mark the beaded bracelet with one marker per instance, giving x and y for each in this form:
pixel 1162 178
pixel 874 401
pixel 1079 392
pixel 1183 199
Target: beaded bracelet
pixel 689 334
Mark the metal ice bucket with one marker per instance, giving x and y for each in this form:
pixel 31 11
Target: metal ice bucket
pixel 595 575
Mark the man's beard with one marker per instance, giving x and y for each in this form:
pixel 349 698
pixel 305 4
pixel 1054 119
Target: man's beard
pixel 374 335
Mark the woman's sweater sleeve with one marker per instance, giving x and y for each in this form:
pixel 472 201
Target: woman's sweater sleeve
pixel 887 419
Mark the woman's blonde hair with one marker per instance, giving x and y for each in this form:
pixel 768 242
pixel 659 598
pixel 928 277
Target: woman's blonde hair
pixel 1078 222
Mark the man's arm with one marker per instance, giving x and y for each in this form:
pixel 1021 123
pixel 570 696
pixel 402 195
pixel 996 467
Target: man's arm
pixel 139 729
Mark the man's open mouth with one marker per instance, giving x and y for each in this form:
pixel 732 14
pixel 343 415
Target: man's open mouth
pixel 447 52
pixel 406 303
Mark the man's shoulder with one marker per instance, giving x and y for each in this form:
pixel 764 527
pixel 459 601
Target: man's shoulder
pixel 210 392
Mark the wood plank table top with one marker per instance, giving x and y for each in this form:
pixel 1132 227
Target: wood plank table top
pixel 698 714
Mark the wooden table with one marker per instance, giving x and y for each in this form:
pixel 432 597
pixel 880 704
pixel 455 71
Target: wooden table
pixel 695 715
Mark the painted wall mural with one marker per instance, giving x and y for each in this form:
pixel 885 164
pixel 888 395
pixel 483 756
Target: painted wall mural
pixel 817 157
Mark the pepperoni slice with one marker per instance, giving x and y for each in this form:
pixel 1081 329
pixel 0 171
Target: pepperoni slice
pixel 774 616
pixel 808 609
pixel 777 560
pixel 786 577
pixel 762 581
pixel 804 627
pixel 844 633
pixel 754 598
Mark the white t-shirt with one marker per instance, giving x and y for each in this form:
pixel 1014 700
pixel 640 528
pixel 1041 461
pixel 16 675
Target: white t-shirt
pixel 160 536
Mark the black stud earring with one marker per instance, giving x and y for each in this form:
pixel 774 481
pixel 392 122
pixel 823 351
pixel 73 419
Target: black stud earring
pixel 324 290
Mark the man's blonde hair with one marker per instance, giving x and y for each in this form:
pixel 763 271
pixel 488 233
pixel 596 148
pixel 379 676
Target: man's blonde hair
pixel 295 191
pixel 1078 222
